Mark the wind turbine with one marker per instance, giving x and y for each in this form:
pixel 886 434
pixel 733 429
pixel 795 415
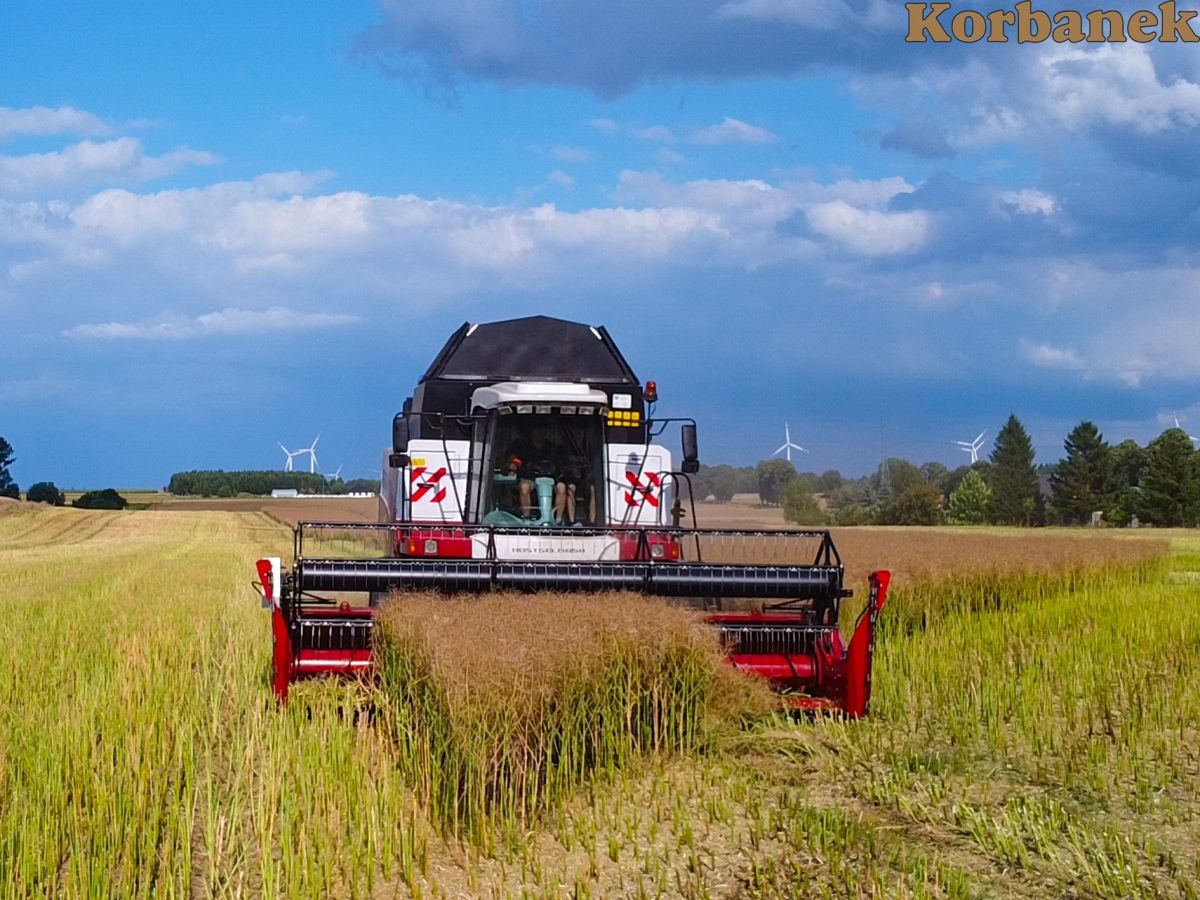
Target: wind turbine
pixel 787 447
pixel 291 454
pixel 336 476
pixel 972 447
pixel 312 454
pixel 1194 440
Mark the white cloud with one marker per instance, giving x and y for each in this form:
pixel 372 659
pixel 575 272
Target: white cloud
pixel 1130 325
pixel 932 294
pixel 1115 84
pixel 122 159
pixel 1029 201
pixel 749 211
pixel 222 322
pixel 659 134
pixel 125 217
pixel 1048 356
pixel 870 193
pixel 868 231
pixel 561 179
pixel 986 127
pixel 296 224
pixel 732 131
pixel 44 120
pixel 240 228
pixel 665 156
pixel 571 154
pixel 727 131
pixel 938 295
pixel 36 388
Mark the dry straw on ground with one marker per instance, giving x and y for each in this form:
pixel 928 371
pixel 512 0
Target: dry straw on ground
pixel 919 555
pixel 504 704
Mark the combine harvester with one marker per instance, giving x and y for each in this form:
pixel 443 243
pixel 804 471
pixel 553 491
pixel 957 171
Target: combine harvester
pixel 526 461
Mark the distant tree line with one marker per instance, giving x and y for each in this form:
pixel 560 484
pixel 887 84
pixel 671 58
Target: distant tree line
pixel 47 492
pixel 105 499
pixel 1158 484
pixel 218 483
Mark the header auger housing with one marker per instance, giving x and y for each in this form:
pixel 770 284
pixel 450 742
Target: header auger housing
pixel 527 460
pixel 322 617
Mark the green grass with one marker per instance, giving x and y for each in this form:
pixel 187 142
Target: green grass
pixel 1028 737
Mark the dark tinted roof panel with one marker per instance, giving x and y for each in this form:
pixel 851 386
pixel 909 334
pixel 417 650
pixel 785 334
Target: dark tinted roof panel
pixel 536 348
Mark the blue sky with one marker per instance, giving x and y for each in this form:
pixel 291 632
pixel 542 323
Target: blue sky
pixel 232 225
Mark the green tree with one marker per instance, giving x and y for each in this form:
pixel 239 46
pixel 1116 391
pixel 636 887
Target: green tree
pixel 8 487
pixel 918 504
pixel 901 473
pixel 723 484
pixel 853 493
pixel 1169 492
pixel 718 482
pixel 1084 481
pixel 954 478
pixel 851 514
pixel 800 506
pixel 773 477
pixel 830 481
pixel 220 483
pixel 970 501
pixel 46 492
pixel 1128 461
pixel 1015 495
pixel 935 473
pixel 105 499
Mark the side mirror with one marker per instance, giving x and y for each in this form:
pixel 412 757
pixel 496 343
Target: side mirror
pixel 400 433
pixel 691 454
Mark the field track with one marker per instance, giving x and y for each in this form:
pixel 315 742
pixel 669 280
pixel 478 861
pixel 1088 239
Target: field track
pixel 1036 737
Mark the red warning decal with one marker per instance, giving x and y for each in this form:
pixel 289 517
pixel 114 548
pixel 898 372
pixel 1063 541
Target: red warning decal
pixel 420 485
pixel 642 493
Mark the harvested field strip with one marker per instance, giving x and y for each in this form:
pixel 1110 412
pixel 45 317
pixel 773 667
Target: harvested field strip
pixel 53 527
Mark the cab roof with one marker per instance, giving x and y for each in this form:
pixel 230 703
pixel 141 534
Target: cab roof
pixel 533 348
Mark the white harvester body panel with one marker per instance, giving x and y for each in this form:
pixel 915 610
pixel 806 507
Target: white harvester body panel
pixel 639 490
pixel 536 393
pixel 435 482
pixel 547 548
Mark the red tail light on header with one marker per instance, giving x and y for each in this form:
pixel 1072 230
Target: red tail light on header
pixel 651 392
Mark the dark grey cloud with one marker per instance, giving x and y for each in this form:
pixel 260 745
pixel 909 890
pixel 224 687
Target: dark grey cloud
pixel 921 137
pixel 610 48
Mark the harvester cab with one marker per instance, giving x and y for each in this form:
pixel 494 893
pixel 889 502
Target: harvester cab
pixel 526 423
pixel 528 460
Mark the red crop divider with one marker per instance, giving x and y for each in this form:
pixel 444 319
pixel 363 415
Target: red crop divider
pixel 858 657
